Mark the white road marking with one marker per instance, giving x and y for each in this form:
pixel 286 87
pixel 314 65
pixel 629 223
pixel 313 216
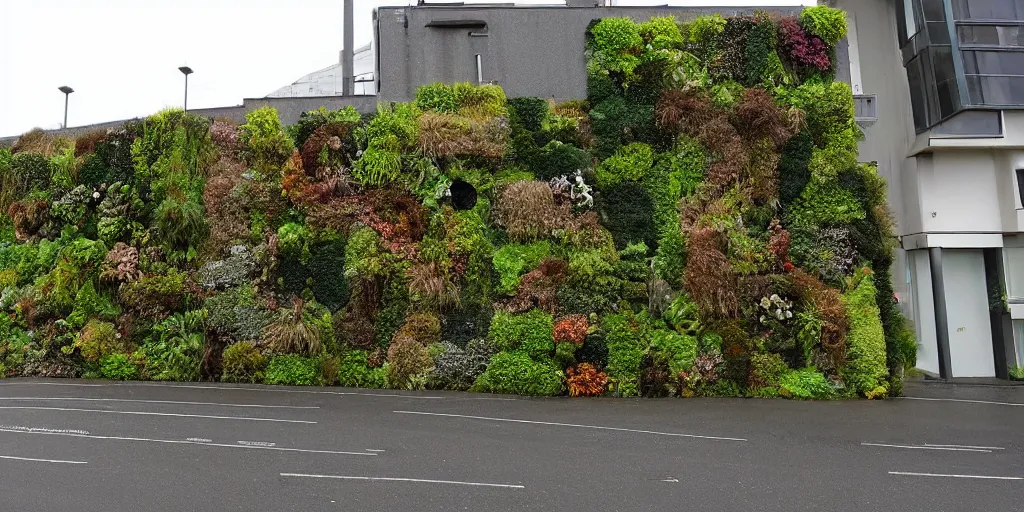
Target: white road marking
pixel 926 447
pixel 964 446
pixel 671 480
pixel 43 460
pixel 961 400
pixel 256 443
pixel 268 389
pixel 172 402
pixel 904 473
pixel 570 425
pixel 386 479
pixel 50 430
pixel 141 413
pixel 199 440
pixel 372 450
pixel 190 442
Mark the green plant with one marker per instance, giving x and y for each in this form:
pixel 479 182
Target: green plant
pixel 355 371
pixel 678 350
pixel 176 350
pixel 242 362
pixel 631 163
pixel 825 22
pixel 295 331
pixel 438 97
pixel 806 383
pixel 865 371
pixel 513 260
pixel 408 363
pixel 119 367
pixel 616 43
pixel 661 33
pixel 528 113
pixel 517 373
pixel 267 146
pixel 531 333
pixel 99 339
pixel 292 370
pixel 1016 372
pixel 627 337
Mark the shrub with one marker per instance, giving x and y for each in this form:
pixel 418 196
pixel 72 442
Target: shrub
pixel 155 296
pixel 267 147
pixel 294 331
pixel 807 383
pixel 98 340
pixel 175 350
pixel 766 371
pixel 661 33
pixel 531 333
pixel 408 361
pixel 571 329
pixel 825 22
pixel 517 373
pixel 457 369
pixel 422 327
pixel 355 371
pixel 396 123
pixel 556 159
pixel 33 170
pixel 119 367
pixel 678 350
pixel 801 48
pixel 627 338
pixel 438 97
pixel 528 113
pixel 292 370
pixel 616 43
pixel 631 163
pixel 585 380
pixel 865 370
pixel 310 121
pixel 525 209
pixel 628 213
pixel 243 362
pixel 514 260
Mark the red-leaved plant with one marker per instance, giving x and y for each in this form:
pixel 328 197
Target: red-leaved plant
pixel 571 328
pixel 585 380
pixel 802 48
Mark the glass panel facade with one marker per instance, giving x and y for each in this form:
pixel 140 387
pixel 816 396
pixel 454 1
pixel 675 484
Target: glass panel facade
pixel 988 9
pixel 1013 266
pixel 993 63
pixel 996 91
pixel 1020 188
pixel 991 35
pixel 933 10
pixel 917 93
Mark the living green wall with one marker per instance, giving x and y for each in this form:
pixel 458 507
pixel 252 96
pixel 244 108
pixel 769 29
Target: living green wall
pixel 699 225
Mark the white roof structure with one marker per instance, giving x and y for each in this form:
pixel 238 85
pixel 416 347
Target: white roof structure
pixel 327 81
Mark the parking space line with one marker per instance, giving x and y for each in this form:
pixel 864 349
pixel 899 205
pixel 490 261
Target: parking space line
pixel 964 446
pixel 170 402
pixel 43 460
pixel 926 447
pixel 961 400
pixel 417 480
pixel 141 413
pixel 190 441
pixel 556 424
pixel 269 389
pixel 905 473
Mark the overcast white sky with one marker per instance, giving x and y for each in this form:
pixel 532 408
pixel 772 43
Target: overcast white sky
pixel 122 56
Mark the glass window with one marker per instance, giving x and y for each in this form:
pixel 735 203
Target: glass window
pixel 933 10
pixel 996 90
pixel 1020 188
pixel 917 93
pixel 949 97
pixel 909 20
pixel 993 63
pixel 1018 335
pixel 988 9
pixel 931 97
pixel 991 35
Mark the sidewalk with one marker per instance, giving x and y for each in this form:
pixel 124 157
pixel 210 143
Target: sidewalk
pixel 990 390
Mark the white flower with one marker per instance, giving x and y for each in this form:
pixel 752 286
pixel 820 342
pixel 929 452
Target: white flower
pixel 95 195
pixel 775 297
pixel 789 314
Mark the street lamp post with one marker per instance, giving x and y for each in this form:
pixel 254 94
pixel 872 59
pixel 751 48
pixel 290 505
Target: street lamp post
pixel 67 92
pixel 185 70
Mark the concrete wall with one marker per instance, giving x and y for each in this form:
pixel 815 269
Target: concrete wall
pixel 528 51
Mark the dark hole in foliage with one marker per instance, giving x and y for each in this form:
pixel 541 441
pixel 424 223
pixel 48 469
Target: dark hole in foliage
pixel 463 195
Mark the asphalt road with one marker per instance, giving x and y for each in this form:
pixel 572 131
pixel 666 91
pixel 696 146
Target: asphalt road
pixel 110 447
